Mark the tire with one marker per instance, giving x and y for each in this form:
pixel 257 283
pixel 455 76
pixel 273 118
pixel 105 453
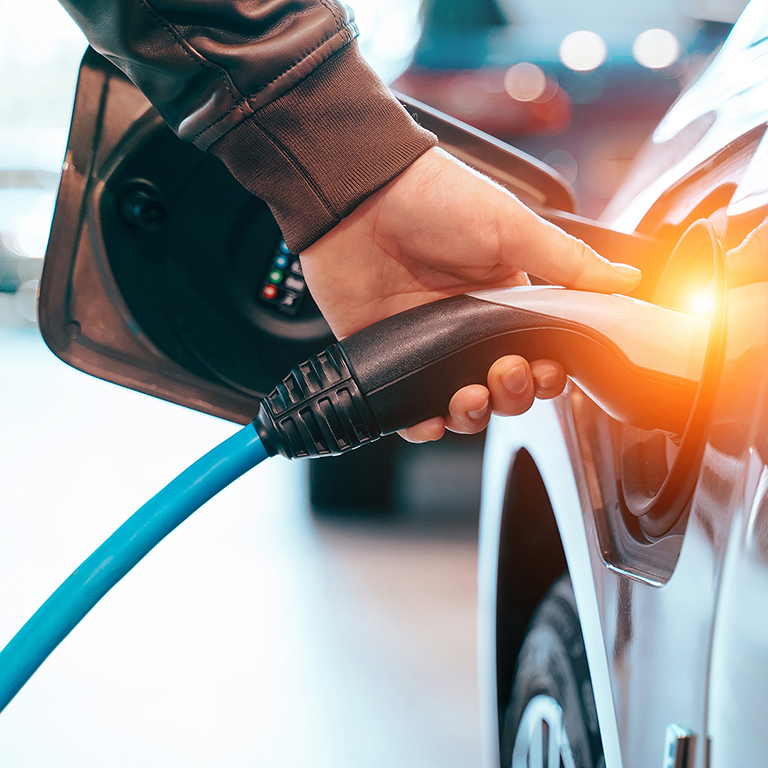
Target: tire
pixel 552 706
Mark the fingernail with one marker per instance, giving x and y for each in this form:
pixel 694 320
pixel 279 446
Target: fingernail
pixel 479 413
pixel 628 272
pixel 548 377
pixel 515 380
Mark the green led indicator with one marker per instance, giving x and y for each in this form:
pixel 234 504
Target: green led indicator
pixel 276 276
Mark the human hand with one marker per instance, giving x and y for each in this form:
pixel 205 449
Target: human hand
pixel 441 229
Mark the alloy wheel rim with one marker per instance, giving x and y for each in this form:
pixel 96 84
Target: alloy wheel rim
pixel 541 740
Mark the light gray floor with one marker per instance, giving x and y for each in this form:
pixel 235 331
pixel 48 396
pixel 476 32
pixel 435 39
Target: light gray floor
pixel 251 637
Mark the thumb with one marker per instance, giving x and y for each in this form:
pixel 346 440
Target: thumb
pixel 545 250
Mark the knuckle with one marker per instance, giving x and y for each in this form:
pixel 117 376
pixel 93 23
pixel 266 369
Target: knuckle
pixel 581 260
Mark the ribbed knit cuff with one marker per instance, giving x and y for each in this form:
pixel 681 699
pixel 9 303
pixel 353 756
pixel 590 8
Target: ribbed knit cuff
pixel 319 150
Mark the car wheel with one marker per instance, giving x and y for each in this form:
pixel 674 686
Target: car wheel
pixel 551 720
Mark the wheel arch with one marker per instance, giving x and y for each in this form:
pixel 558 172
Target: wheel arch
pixel 531 468
pixel 530 560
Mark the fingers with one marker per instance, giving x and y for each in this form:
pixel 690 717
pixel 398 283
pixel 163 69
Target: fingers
pixel 542 249
pixel 425 432
pixel 549 379
pixel 513 383
pixel 512 386
pixel 469 410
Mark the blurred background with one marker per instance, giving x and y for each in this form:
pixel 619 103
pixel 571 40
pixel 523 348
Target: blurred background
pixel 268 630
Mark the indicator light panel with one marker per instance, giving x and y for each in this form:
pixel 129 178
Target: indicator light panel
pixel 283 287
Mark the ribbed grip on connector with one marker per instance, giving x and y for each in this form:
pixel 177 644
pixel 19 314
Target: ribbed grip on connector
pixel 317 410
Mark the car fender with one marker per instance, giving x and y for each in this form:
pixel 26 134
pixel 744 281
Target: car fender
pixel 540 433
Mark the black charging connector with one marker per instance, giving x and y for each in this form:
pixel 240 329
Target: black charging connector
pixel 317 410
pixel 641 362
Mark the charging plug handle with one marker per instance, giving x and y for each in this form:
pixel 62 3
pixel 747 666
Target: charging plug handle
pixel 640 362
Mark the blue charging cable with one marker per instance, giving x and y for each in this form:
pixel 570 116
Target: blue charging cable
pixel 136 537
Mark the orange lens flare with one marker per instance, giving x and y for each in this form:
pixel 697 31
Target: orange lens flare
pixel 702 303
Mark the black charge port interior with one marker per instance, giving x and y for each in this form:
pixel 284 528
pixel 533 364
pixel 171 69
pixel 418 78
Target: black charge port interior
pixel 191 252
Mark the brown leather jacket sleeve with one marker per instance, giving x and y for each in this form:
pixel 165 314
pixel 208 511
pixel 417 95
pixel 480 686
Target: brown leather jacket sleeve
pixel 276 88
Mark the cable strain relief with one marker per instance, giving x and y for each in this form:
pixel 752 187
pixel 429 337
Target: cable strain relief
pixel 268 434
pixel 317 410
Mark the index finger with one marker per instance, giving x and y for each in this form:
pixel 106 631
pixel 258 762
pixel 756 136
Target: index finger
pixel 543 249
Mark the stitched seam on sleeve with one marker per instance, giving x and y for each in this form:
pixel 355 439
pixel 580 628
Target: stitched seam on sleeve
pixel 303 57
pixel 296 63
pixel 303 172
pixel 217 121
pixel 201 61
pixel 339 18
pixel 188 50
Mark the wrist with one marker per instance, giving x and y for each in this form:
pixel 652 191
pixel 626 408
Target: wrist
pixel 321 149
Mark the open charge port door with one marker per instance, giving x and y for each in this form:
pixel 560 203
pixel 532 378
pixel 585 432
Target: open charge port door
pixel 645 478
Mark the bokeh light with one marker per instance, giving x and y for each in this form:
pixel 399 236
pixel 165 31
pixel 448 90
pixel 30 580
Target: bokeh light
pixel 583 51
pixel 656 48
pixel 525 82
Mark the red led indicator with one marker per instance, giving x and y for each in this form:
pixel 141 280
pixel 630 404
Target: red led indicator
pixel 269 291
